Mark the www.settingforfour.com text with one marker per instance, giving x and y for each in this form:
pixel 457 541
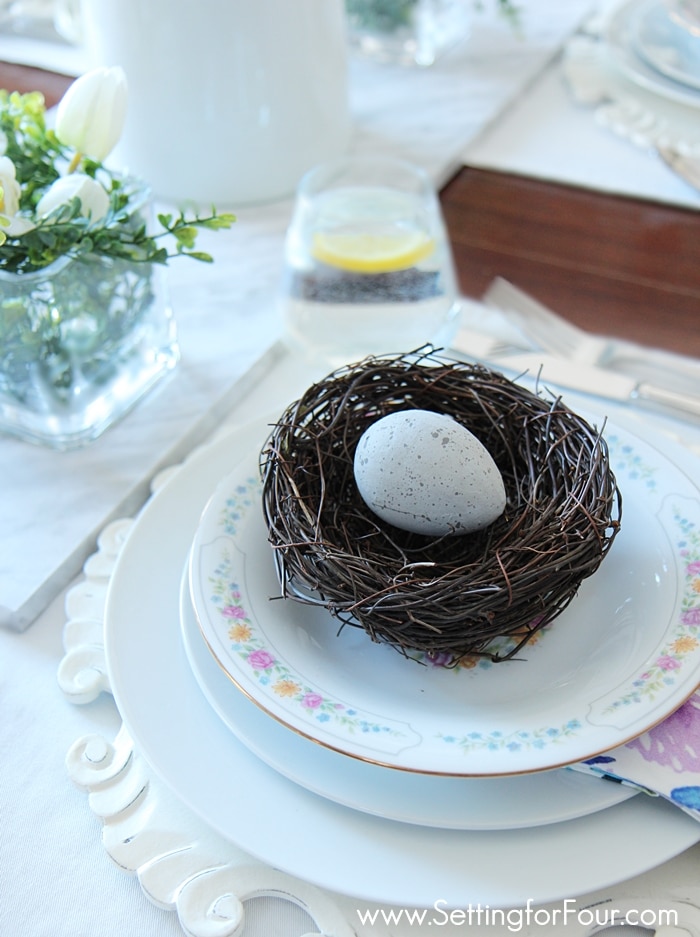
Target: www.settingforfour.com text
pixel 517 919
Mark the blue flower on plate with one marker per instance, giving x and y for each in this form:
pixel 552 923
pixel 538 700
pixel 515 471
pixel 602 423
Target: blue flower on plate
pixel 688 797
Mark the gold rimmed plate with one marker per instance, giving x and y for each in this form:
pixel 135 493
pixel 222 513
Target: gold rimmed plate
pixel 405 796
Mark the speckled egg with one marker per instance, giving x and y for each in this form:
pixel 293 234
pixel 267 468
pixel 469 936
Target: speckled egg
pixel 425 472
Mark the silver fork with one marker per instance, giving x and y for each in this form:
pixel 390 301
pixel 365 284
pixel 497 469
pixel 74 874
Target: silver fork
pixel 483 347
pixel 564 340
pixel 550 331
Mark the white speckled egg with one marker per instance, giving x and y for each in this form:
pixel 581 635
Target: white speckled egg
pixel 425 472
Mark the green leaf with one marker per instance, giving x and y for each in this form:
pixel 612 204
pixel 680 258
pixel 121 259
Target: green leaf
pixel 218 222
pixel 185 236
pixel 200 255
pixel 160 256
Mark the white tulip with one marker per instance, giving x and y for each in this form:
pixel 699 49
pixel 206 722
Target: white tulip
pixel 11 224
pixel 15 227
pixel 90 115
pixel 94 201
pixel 9 200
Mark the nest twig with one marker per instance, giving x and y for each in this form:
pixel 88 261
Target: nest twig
pixel 451 596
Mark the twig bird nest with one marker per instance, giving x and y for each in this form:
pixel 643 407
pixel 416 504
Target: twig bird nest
pixel 450 596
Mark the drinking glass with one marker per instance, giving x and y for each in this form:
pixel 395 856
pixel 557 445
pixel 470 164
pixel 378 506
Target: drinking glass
pixel 368 266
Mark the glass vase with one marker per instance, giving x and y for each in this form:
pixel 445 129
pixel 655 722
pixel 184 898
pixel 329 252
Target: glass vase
pixel 406 32
pixel 81 341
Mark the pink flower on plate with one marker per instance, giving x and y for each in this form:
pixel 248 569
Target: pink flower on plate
pixel 233 611
pixel 312 700
pixel 691 616
pixel 668 663
pixel 693 568
pixel 260 659
pixel 439 659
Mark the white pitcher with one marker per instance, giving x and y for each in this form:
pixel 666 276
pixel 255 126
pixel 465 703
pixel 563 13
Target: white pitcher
pixel 230 101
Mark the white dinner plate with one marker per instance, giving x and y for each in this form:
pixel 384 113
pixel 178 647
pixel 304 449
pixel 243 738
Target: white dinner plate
pixel 408 797
pixel 621 40
pixel 619 659
pixel 277 821
pixel 667 46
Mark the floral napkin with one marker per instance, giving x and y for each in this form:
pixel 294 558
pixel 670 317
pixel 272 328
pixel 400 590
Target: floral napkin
pixel 665 761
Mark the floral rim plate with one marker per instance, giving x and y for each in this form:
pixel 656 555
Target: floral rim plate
pixel 622 45
pixel 448 803
pixel 623 656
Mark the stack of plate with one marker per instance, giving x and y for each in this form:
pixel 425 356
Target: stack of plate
pixel 656 49
pixel 386 778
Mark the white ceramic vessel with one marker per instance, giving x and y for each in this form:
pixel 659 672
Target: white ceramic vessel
pixel 228 102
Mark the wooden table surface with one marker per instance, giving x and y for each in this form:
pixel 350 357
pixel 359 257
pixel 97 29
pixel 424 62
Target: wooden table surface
pixel 613 265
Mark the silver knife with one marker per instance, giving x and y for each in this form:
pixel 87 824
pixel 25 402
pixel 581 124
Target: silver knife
pixel 592 380
pixel 686 166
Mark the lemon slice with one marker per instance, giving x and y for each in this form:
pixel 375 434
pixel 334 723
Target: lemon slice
pixel 371 252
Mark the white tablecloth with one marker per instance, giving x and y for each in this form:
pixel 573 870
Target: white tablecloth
pixel 55 879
